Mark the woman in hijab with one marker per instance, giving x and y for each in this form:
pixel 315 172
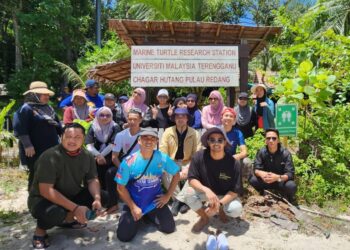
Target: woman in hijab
pixel 81 108
pixel 99 141
pixel 136 101
pixel 36 125
pixel 246 116
pixel 211 115
pixel 195 114
pixel 264 108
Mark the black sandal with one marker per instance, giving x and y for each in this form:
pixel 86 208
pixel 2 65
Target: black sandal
pixel 40 242
pixel 73 225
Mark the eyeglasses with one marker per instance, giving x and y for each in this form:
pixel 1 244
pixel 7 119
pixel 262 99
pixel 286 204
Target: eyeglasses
pixel 213 99
pixel 218 141
pixel 271 138
pixel 137 93
pixel 104 115
pixel 190 101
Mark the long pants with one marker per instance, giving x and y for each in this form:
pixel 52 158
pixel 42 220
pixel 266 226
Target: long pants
pixel 194 200
pixel 288 188
pixel 49 214
pixel 111 186
pixel 161 217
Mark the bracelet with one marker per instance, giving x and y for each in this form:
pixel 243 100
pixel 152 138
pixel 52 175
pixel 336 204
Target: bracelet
pixel 75 209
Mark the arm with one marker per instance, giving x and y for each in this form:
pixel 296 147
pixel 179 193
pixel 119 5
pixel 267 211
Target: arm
pixel 95 191
pixel 115 159
pixel 242 154
pixel 230 196
pixel 289 166
pixel 107 150
pixel 211 196
pixel 90 147
pixel 67 116
pixel 125 196
pixel 197 119
pixel 163 199
pixel 258 165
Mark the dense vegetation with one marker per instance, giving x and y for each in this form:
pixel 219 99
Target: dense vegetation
pixel 312 57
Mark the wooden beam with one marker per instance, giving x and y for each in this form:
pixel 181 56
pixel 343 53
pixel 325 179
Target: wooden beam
pixel 218 32
pixel 258 44
pixel 126 31
pixel 241 32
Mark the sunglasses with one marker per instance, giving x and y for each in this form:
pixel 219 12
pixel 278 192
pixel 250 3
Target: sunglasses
pixel 190 101
pixel 137 93
pixel 104 115
pixel 218 141
pixel 271 138
pixel 213 99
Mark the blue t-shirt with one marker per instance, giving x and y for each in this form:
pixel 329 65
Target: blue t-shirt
pixel 236 138
pixel 145 190
pixel 97 100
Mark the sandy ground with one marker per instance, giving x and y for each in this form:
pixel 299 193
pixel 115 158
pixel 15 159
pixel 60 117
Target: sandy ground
pixel 249 233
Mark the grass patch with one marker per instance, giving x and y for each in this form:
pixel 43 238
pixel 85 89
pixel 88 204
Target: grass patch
pixel 9 217
pixel 11 181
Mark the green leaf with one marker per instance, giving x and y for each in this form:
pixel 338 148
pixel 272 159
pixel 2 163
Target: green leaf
pixel 299 96
pixel 331 79
pixel 306 66
pixel 309 90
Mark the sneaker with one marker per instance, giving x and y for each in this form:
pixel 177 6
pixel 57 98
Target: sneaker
pixel 222 242
pixel 184 208
pixel 211 243
pixel 175 207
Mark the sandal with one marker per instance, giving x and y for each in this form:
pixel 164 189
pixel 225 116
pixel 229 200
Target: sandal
pixel 40 242
pixel 73 225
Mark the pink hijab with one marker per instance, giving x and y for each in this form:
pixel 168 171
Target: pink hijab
pixel 132 104
pixel 215 113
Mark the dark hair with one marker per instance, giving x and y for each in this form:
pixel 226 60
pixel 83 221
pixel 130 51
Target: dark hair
pixel 273 130
pixel 73 125
pixel 135 111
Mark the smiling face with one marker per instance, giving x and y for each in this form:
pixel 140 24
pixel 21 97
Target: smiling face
pixel 228 119
pixel 216 142
pixel 147 142
pixel 134 120
pixel 181 120
pixel 104 117
pixel 73 139
pixel 271 140
pixel 79 101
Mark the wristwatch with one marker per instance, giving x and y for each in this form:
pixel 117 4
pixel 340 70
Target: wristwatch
pixel 279 178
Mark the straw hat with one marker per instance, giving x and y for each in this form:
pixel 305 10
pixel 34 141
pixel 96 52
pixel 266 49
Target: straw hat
pixel 258 85
pixel 39 88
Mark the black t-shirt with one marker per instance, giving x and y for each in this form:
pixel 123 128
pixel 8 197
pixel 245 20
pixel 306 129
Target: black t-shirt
pixel 221 176
pixel 180 149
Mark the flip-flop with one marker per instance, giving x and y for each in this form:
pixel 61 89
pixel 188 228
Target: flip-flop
pixel 40 242
pixel 73 225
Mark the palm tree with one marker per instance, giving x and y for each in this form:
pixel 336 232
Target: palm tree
pixel 334 14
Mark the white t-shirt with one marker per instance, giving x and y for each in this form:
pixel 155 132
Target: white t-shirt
pixel 124 140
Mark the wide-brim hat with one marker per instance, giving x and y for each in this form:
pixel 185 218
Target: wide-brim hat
pixel 79 92
pixel 180 111
pixel 39 88
pixel 149 131
pixel 253 89
pixel 214 130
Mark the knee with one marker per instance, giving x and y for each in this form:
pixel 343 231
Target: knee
pixel 124 237
pixel 53 216
pixel 168 228
pixel 234 209
pixel 291 187
pixel 253 180
pixel 191 199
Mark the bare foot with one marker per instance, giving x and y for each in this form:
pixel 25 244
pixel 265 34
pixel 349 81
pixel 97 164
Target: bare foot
pixel 222 216
pixel 112 209
pixel 200 224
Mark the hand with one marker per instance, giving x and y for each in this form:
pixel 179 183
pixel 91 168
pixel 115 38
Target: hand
pixel 263 104
pixel 154 110
pixel 101 160
pixel 211 211
pixel 136 213
pixel 212 198
pixel 236 157
pixel 170 110
pixel 79 214
pixel 29 152
pixel 271 178
pixel 96 206
pixel 162 200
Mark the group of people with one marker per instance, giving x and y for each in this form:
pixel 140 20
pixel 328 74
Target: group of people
pixel 76 175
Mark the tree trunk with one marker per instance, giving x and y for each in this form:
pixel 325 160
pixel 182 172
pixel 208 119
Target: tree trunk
pixel 18 53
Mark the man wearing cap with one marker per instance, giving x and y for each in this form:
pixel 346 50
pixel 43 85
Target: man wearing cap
pixel 116 108
pixel 92 93
pixel 36 125
pixel 180 142
pixel 158 116
pixel 215 177
pixel 273 167
pixel 264 107
pixel 139 186
pixel 246 117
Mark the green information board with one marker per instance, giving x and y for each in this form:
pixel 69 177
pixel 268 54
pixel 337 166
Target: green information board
pixel 287 119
